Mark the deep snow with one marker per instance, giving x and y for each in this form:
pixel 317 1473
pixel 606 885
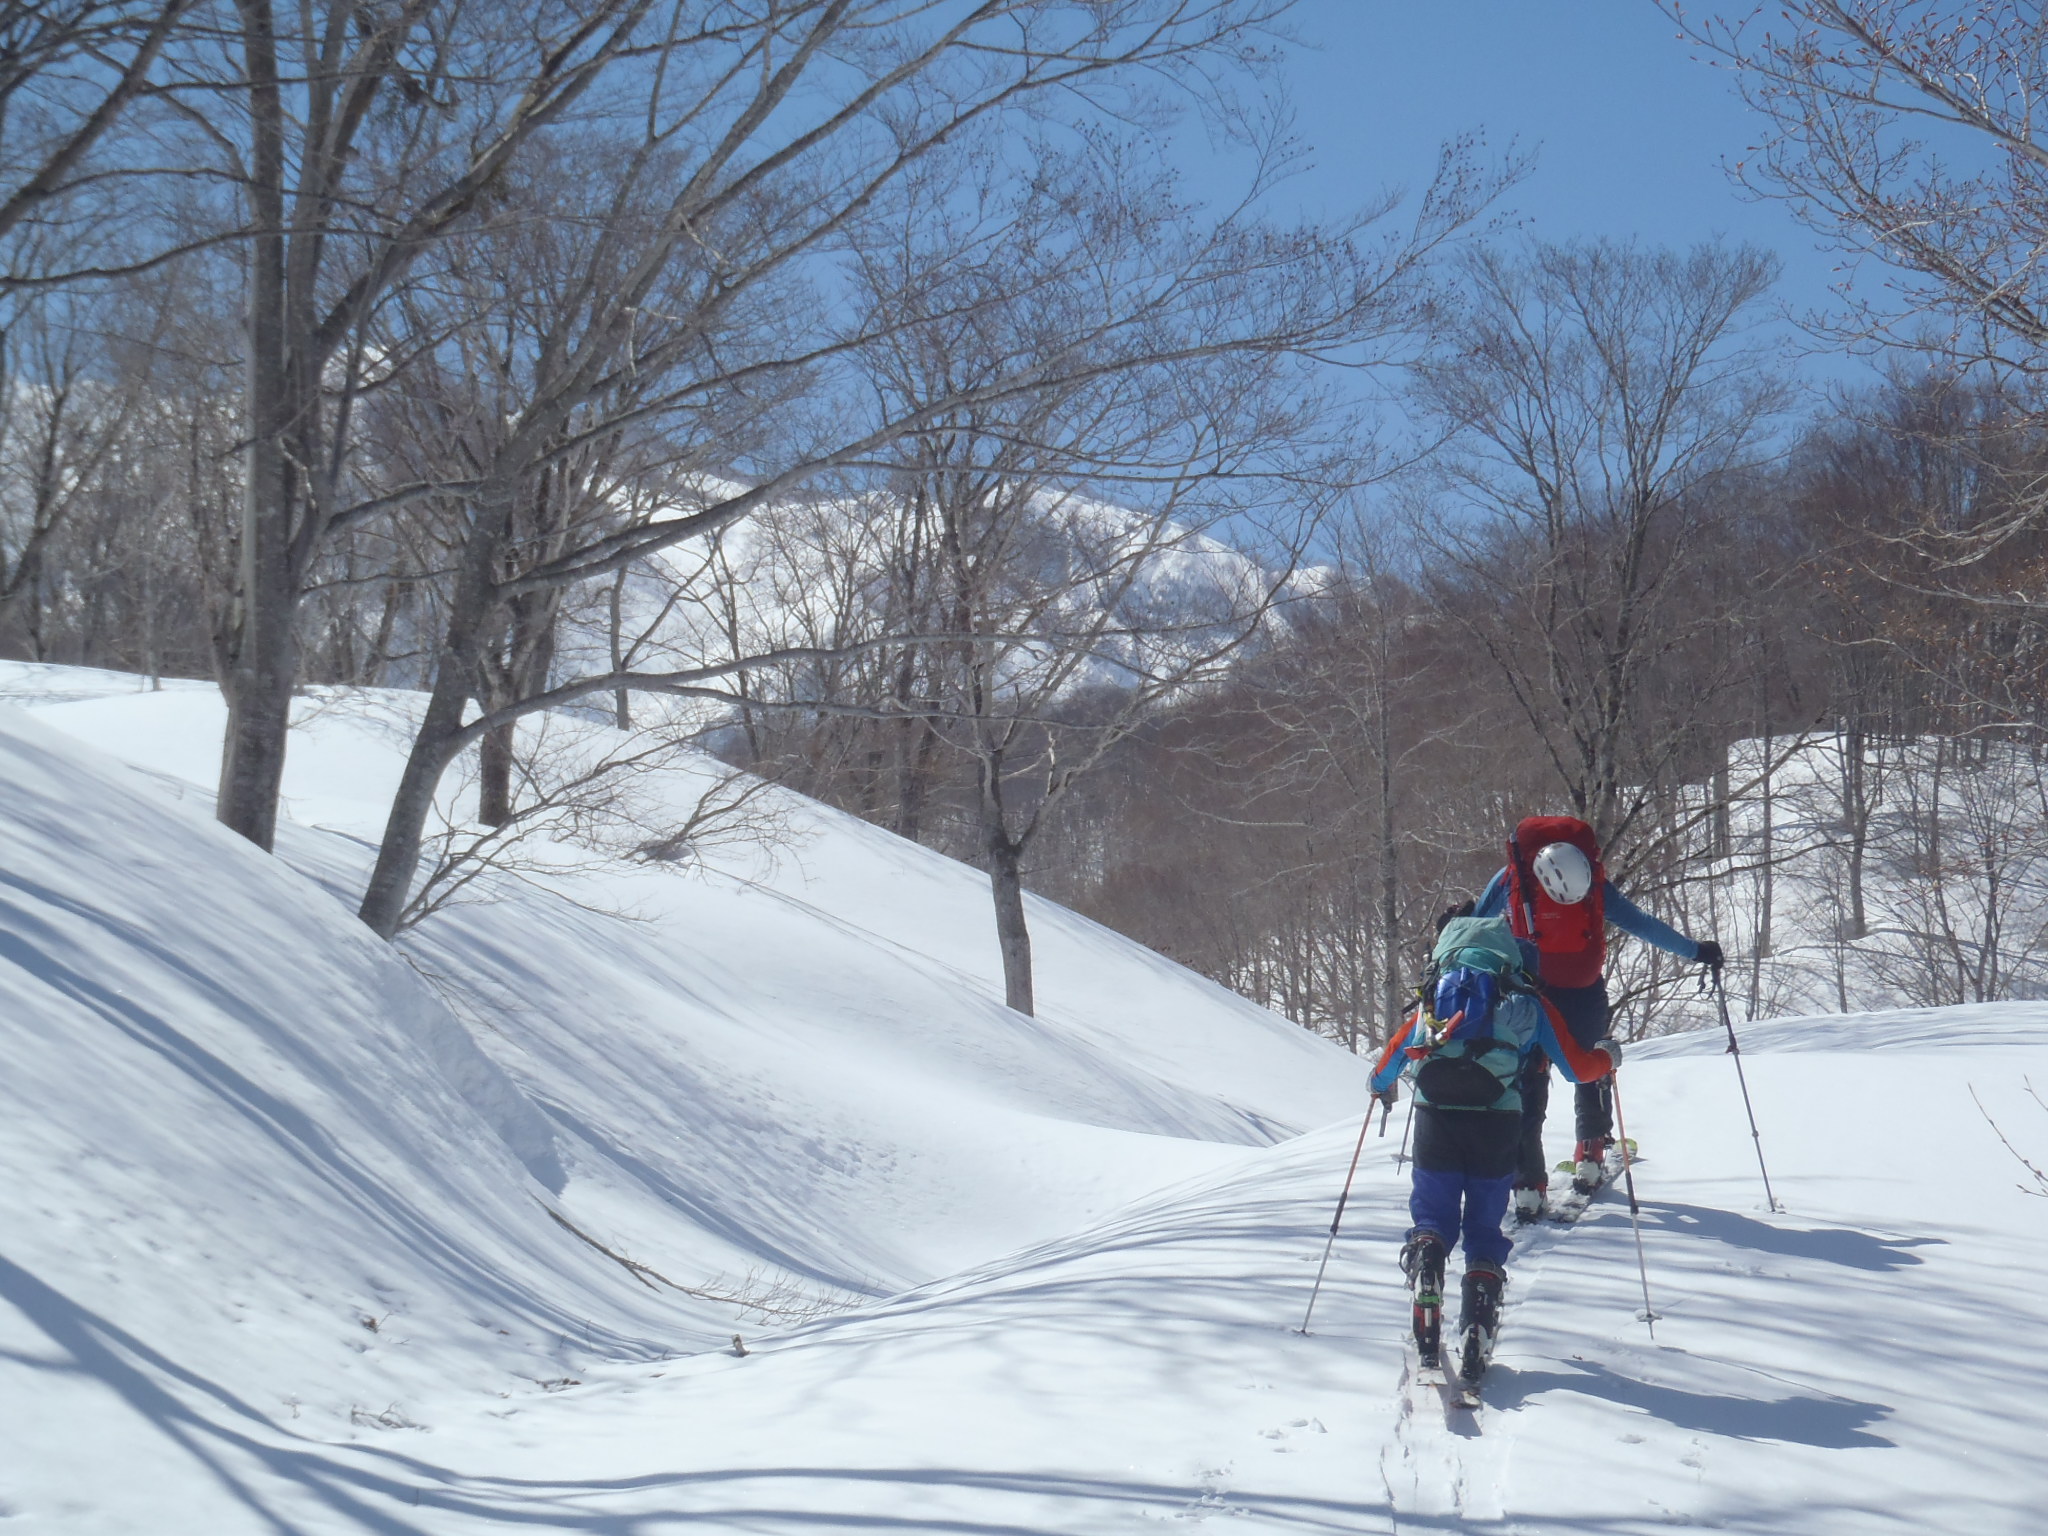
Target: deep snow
pixel 277 1253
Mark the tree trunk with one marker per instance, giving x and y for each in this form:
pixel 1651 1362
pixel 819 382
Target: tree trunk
pixel 494 776
pixel 259 695
pixel 398 856
pixel 1014 939
pixel 1006 883
pixel 387 624
pixel 1357 981
pixel 1723 834
pixel 622 699
pixel 527 661
pixel 1390 883
pixel 1766 887
pixel 916 745
pixel 262 650
pixel 455 670
pixel 1856 801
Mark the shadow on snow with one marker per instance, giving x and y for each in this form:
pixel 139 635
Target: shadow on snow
pixel 1828 1423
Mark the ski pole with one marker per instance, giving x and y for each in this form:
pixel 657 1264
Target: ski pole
pixel 1407 1125
pixel 1386 1109
pixel 1635 1218
pixel 1735 1050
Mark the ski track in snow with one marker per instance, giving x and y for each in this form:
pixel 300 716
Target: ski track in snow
pixel 1424 1466
pixel 1446 1462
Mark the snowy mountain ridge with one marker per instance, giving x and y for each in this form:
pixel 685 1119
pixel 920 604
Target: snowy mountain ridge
pixel 821 570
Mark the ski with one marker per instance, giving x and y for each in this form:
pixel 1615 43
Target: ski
pixel 1569 1207
pixel 1475 1354
pixel 1439 1384
pixel 1427 1383
pixel 1464 1386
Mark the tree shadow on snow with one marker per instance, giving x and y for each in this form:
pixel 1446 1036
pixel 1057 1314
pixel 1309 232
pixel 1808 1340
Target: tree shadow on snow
pixel 1847 1246
pixel 815 1498
pixel 230 1438
pixel 38 948
pixel 1827 1423
pixel 296 1486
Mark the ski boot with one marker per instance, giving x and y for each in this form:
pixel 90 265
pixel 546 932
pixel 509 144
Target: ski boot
pixel 1529 1201
pixel 1479 1322
pixel 1589 1164
pixel 1422 1261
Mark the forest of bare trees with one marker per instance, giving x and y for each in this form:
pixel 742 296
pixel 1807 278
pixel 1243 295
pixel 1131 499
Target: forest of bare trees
pixel 846 387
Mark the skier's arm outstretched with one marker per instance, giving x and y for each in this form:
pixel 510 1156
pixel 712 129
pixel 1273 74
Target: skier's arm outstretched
pixel 1636 923
pixel 1621 912
pixel 1574 1060
pixel 1387 1071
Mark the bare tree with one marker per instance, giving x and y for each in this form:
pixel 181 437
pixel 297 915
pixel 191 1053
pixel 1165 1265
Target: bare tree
pixel 1072 528
pixel 1331 741
pixel 91 421
pixel 1065 649
pixel 1907 132
pixel 726 208
pixel 1909 135
pixel 352 138
pixel 589 796
pixel 1964 855
pixel 1603 406
pixel 70 70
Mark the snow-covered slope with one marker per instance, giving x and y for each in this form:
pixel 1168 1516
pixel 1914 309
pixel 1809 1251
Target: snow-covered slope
pixel 261 1165
pixel 1866 1361
pixel 280 1249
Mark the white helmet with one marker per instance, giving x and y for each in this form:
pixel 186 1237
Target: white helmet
pixel 1564 872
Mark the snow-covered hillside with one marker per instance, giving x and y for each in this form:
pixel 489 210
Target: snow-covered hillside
pixel 288 1240
pixel 1863 873
pixel 283 1172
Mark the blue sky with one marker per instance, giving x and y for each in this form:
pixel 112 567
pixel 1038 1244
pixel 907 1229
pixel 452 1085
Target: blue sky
pixel 1631 130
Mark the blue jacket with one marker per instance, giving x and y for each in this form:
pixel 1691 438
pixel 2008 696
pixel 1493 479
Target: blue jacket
pixel 1621 912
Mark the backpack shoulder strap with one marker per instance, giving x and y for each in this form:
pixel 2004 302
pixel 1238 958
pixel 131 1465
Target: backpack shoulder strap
pixel 1521 892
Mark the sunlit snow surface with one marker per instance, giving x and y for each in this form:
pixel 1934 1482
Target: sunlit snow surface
pixel 238 1132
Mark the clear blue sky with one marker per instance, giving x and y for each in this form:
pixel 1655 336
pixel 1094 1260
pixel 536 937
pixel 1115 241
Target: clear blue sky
pixel 1631 131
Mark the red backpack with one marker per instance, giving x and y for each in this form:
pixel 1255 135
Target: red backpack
pixel 1572 940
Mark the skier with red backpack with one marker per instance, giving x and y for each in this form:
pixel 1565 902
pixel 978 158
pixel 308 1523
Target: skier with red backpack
pixel 1555 894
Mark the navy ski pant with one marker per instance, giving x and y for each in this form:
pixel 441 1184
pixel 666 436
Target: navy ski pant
pixel 1586 1014
pixel 1464 1175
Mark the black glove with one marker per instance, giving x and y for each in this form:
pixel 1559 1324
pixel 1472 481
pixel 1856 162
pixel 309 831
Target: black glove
pixel 1462 909
pixel 1388 1098
pixel 1710 955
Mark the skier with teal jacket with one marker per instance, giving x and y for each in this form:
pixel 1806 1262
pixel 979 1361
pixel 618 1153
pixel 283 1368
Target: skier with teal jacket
pixel 1465 1046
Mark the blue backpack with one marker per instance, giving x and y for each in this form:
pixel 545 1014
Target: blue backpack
pixel 1465 1065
